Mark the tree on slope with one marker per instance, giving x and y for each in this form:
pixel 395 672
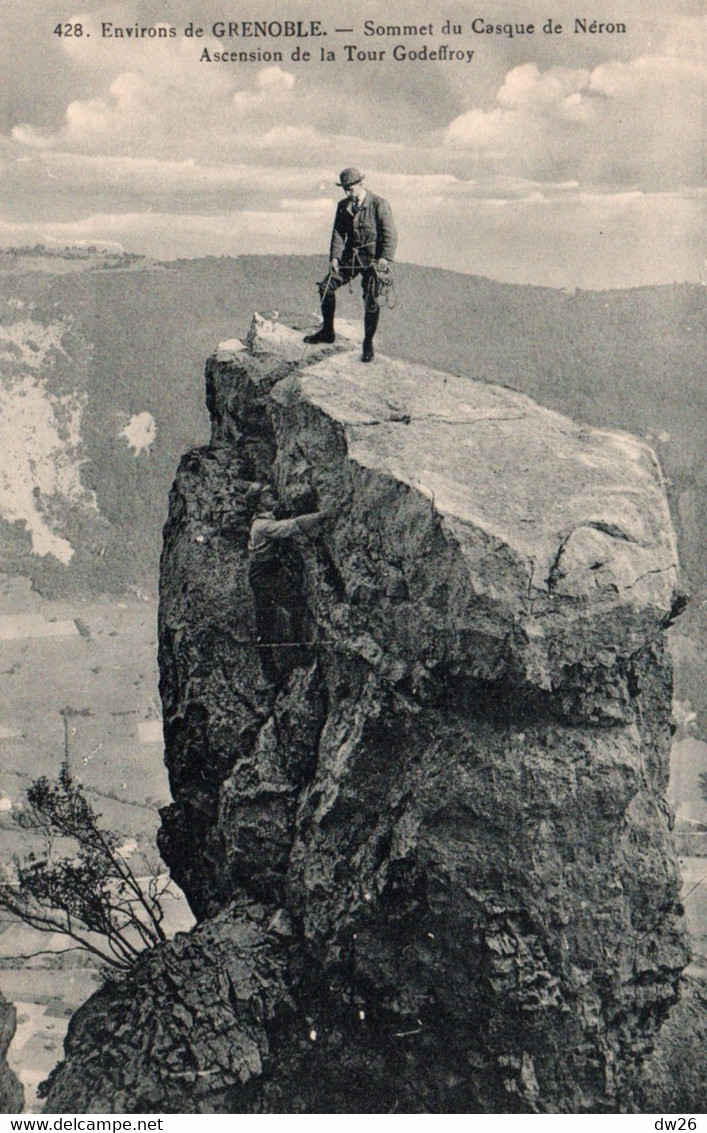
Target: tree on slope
pixel 81 884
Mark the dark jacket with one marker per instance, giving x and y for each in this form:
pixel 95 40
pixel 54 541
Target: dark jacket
pixel 370 231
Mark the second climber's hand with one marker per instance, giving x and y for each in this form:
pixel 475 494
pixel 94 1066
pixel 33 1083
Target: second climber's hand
pixel 382 262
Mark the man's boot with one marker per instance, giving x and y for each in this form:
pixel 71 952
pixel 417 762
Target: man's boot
pixel 370 325
pixel 326 330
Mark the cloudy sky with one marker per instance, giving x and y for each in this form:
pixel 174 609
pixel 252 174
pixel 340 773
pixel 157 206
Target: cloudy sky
pixel 570 159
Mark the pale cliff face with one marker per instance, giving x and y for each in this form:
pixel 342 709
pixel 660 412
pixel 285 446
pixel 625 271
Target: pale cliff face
pixel 431 859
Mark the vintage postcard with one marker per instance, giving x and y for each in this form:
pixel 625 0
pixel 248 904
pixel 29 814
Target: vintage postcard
pixel 353 751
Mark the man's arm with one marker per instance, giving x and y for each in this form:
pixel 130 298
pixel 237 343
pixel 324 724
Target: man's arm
pixel 339 232
pixel 387 240
pixel 286 528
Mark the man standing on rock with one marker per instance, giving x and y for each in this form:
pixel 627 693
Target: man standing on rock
pixel 363 242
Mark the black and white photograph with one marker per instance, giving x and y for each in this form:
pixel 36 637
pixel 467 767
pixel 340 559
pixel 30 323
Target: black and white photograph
pixel 353 723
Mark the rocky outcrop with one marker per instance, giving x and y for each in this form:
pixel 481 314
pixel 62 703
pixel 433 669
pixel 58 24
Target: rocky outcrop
pixel 432 860
pixel 673 1079
pixel 11 1093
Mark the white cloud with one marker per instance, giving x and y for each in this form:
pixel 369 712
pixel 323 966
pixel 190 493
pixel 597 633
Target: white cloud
pixel 165 102
pixel 638 121
pixel 527 88
pixel 274 79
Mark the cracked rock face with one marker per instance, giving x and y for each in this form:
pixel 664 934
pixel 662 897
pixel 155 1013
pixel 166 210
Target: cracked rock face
pixel 432 860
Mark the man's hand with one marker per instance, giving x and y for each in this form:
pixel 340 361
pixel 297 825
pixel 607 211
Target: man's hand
pixel 382 262
pixel 334 264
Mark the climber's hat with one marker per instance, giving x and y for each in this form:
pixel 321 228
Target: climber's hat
pixel 349 177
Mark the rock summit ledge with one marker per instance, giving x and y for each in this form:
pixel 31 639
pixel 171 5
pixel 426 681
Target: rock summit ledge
pixel 558 545
pixel 431 861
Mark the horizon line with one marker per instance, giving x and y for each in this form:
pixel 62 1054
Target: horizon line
pixel 86 245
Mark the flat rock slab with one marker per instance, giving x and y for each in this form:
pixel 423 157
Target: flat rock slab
pixel 15 627
pixel 561 550
pixel 494 459
pixel 562 525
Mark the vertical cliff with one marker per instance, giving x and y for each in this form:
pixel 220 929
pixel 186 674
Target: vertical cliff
pixel 431 859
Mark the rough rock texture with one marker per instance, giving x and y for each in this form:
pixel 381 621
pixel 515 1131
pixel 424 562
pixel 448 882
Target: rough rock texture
pixel 433 862
pixel 673 1079
pixel 12 1095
